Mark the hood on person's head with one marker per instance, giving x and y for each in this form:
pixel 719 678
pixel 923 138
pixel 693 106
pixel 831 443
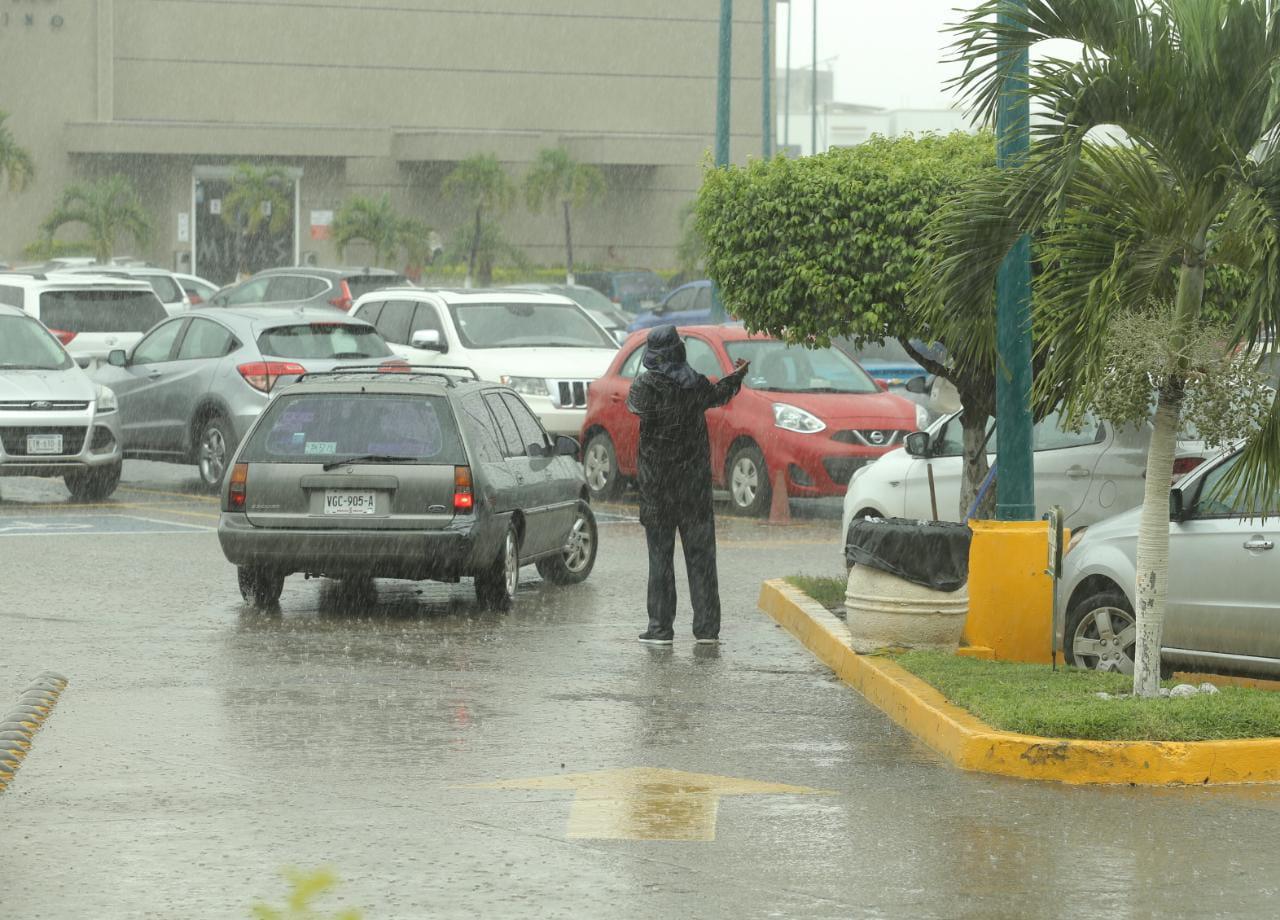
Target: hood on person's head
pixel 665 355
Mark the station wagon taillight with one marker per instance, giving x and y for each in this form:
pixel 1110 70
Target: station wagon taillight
pixel 1184 465
pixel 262 375
pixel 63 336
pixel 239 482
pixel 463 498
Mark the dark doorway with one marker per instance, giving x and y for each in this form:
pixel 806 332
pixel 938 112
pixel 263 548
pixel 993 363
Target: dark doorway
pixel 221 249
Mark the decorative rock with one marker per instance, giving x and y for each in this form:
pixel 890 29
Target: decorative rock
pixel 1164 691
pixel 1103 695
pixel 1182 691
pixel 1207 687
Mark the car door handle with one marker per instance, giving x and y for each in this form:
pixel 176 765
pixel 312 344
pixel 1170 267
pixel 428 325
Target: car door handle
pixel 1077 472
pixel 1259 544
pixel 154 374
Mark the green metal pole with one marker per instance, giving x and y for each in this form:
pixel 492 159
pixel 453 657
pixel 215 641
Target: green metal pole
pixel 1015 497
pixel 723 77
pixel 766 81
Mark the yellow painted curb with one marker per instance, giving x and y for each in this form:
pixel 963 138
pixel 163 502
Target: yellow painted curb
pixel 971 744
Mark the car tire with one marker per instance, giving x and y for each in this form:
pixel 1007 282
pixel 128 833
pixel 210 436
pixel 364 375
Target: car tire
pixel 579 557
pixel 496 586
pixel 748 480
pixel 260 587
pixel 600 466
pixel 94 485
pixel 214 446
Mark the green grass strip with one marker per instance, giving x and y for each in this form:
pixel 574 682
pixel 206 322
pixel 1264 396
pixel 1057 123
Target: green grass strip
pixel 829 592
pixel 1035 700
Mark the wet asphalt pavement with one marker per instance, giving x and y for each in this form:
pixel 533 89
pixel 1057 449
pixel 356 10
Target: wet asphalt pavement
pixel 432 754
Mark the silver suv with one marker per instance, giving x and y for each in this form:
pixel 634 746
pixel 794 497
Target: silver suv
pixel 192 387
pixel 54 421
pixel 359 474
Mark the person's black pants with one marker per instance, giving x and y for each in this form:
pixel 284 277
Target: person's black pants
pixel 698 537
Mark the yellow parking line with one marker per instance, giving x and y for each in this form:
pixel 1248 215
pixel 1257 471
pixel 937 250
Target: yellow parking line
pixel 208 499
pixel 154 507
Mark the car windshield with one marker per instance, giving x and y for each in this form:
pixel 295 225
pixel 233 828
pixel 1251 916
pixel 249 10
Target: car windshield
pixel 340 341
pixel 782 368
pixel 587 297
pixel 526 325
pixel 328 427
pixel 24 345
pixel 889 351
pixel 101 311
pixel 359 285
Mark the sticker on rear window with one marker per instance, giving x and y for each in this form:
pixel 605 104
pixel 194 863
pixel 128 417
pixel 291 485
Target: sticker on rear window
pixel 321 447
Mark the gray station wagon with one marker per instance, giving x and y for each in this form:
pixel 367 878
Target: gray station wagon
pixel 422 474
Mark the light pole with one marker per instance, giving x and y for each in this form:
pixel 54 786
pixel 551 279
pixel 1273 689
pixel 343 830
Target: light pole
pixel 786 94
pixel 766 81
pixel 723 77
pixel 1015 497
pixel 813 87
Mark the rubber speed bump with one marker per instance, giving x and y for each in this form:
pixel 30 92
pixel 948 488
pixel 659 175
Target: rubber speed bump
pixel 24 719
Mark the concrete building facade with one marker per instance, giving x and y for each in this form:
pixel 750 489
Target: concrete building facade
pixel 366 98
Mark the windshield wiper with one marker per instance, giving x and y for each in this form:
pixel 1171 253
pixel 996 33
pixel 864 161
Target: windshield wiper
pixel 367 458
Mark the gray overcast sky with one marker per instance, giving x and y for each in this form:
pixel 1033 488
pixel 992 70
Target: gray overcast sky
pixel 888 49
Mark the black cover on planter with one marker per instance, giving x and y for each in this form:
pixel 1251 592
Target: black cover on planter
pixel 933 554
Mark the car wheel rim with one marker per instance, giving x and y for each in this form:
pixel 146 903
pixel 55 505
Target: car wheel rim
pixel 745 482
pixel 578 547
pixel 213 455
pixel 598 467
pixel 1104 640
pixel 511 568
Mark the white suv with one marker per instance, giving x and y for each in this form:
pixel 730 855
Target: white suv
pixel 91 315
pixel 165 283
pixel 544 346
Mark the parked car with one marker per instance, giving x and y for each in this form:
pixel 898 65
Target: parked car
pixel 600 308
pixel 197 289
pixel 543 346
pixel 1090 473
pixel 166 284
pixel 1220 614
pixel 89 314
pixel 192 387
pixel 688 305
pixel 357 475
pixel 634 290
pixel 333 287
pixel 54 421
pixel 811 413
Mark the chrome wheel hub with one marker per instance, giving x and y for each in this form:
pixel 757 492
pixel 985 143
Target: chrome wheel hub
pixel 1104 640
pixel 213 455
pixel 597 467
pixel 577 549
pixel 511 567
pixel 744 482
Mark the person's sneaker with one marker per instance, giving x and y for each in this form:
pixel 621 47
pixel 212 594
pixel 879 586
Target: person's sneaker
pixel 706 640
pixel 653 639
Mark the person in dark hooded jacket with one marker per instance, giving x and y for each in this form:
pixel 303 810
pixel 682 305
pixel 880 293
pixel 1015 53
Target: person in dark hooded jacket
pixel 671 400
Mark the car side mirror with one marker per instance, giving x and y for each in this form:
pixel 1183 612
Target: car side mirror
pixel 917 444
pixel 567 447
pixel 117 357
pixel 428 340
pixel 1177 506
pixel 918 384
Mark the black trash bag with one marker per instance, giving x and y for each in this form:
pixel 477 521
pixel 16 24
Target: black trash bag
pixel 932 554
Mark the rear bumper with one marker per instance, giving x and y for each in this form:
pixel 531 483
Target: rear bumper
pixel 455 551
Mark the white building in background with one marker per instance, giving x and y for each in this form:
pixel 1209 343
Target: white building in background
pixel 843 124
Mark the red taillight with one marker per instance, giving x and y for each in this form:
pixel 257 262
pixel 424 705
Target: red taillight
pixel 239 482
pixel 394 367
pixel 262 375
pixel 343 301
pixel 63 336
pixel 1184 465
pixel 195 298
pixel 463 499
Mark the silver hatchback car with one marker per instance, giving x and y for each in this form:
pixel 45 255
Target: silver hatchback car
pixel 54 421
pixel 190 389
pixel 1223 612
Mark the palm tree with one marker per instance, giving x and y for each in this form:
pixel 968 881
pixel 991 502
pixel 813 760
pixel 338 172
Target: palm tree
pixel 370 220
pixel 483 184
pixel 555 178
pixel 15 161
pixel 1189 184
pixel 259 198
pixel 107 207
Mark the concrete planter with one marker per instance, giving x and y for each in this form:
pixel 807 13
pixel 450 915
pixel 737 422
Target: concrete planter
pixel 885 611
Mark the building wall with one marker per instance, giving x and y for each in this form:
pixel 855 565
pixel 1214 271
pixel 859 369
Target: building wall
pixel 380 97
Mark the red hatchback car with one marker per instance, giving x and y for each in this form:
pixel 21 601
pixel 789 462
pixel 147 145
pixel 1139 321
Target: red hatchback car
pixel 812 412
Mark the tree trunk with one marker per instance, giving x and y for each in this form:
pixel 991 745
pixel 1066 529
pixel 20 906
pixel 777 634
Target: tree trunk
pixel 485 271
pixel 475 248
pixel 1152 562
pixel 568 246
pixel 976 467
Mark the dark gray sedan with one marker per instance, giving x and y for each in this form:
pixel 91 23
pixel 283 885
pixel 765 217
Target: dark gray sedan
pixel 362 474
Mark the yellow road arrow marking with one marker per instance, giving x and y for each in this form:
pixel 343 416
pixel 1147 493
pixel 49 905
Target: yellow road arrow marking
pixel 643 803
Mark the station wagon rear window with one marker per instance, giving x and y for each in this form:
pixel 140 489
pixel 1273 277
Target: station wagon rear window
pixel 340 341
pixel 101 311
pixel 323 427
